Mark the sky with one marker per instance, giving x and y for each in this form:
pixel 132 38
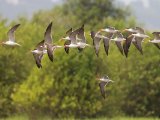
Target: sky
pixel 145 11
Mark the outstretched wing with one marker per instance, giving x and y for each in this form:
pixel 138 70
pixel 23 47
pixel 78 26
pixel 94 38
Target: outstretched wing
pixel 47 35
pixel 50 51
pixel 81 34
pixel 106 44
pixel 138 44
pixel 38 58
pixel 10 33
pixel 118 43
pixel 102 85
pixel 127 44
pixel 40 46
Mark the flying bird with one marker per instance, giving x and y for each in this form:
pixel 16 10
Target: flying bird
pixel 103 82
pixel 129 37
pixel 156 40
pixel 38 53
pixel 139 38
pixel 81 39
pixel 110 31
pixel 48 42
pixel 96 37
pixel 118 41
pixel 11 37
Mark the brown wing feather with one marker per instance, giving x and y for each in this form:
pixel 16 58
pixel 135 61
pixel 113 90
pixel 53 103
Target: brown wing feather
pixel 81 34
pixel 138 41
pixel 40 46
pixel 102 85
pixel 10 33
pixel 47 35
pixel 119 46
pixel 50 52
pixel 38 58
pixel 106 44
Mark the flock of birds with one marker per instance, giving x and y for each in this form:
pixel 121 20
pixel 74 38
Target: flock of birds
pixel 76 39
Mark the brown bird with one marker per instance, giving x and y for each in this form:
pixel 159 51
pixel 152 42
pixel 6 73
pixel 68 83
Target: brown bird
pixel 38 53
pixel 118 41
pixel 67 42
pixel 96 41
pixel 129 38
pixel 156 39
pixel 139 38
pixel 48 42
pixel 81 39
pixel 11 37
pixel 103 82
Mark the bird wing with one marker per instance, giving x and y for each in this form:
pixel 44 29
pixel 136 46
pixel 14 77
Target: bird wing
pixel 50 49
pixel 73 35
pixel 109 35
pixel 81 34
pixel 118 43
pixel 68 42
pixel 102 85
pixel 140 30
pixel 10 33
pixel 138 41
pixel 40 46
pixel 38 58
pixel 106 44
pixel 119 34
pixel 69 31
pixel 127 44
pixel 96 42
pixel 47 34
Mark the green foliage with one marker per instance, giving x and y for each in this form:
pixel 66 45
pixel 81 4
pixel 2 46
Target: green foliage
pixel 68 86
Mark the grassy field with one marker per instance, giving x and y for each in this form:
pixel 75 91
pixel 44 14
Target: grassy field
pixel 47 118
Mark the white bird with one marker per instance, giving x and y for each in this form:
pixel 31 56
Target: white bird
pixel 118 41
pixel 38 53
pixel 156 39
pixel 48 42
pixel 139 38
pixel 103 82
pixel 11 37
pixel 81 39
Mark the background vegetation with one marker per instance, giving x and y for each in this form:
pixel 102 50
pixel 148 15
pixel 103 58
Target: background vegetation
pixel 67 88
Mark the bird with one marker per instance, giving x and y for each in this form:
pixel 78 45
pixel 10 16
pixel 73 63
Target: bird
pixel 96 37
pixel 71 40
pixel 68 41
pixel 118 41
pixel 129 38
pixel 139 38
pixel 127 44
pixel 110 31
pixel 156 40
pixel 103 82
pixel 140 33
pixel 48 42
pixel 11 37
pixel 81 39
pixel 38 53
